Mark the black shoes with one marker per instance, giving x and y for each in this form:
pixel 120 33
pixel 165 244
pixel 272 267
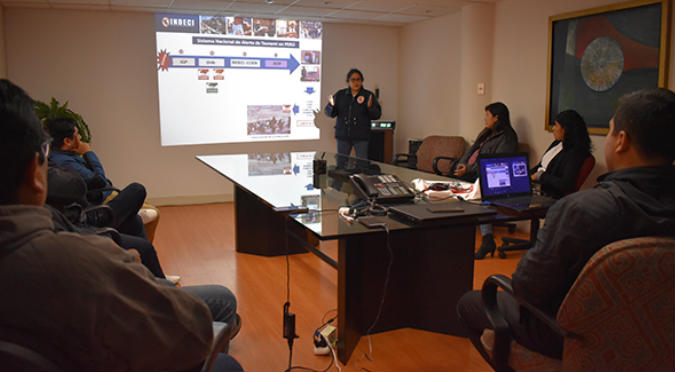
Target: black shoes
pixel 487 246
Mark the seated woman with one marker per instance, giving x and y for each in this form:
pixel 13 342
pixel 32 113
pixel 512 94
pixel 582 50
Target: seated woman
pixel 497 137
pixel 560 165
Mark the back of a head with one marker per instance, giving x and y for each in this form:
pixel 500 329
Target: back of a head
pixel 648 118
pixel 576 131
pixel 60 129
pixel 502 112
pixel 22 137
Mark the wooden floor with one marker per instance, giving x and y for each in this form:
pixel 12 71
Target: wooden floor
pixel 197 242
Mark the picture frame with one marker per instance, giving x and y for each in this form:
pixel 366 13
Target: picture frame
pixel 597 55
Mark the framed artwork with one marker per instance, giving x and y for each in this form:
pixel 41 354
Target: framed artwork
pixel 597 55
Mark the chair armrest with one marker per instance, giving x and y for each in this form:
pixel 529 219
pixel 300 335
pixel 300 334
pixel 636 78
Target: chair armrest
pixel 112 233
pixel 221 343
pixel 401 158
pixel 435 163
pixel 100 215
pixel 502 345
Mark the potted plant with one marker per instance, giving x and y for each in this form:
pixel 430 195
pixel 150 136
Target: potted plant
pixel 54 110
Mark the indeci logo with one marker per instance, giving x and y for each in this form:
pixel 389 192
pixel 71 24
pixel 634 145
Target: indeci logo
pixel 177 22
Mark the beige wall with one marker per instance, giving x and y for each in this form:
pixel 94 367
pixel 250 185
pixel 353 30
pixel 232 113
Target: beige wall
pixel 429 77
pixel 104 64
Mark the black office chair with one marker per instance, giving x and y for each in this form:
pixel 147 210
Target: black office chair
pixel 515 244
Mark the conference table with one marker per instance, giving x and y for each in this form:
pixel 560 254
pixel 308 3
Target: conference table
pixel 282 207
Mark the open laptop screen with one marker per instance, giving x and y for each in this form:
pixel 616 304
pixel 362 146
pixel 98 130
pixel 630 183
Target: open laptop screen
pixel 504 175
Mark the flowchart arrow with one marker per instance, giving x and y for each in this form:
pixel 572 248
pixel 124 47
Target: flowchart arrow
pixel 289 64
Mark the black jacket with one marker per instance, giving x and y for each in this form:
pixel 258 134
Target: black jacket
pixel 505 141
pixel 562 172
pixel 626 203
pixel 353 114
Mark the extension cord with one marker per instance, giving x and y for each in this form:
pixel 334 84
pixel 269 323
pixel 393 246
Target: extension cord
pixel 327 336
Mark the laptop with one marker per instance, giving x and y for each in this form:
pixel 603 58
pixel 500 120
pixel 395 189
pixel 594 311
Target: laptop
pixel 505 182
pixel 431 213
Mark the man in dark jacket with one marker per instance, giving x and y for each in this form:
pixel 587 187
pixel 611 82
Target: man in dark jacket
pixel 354 107
pixel 69 152
pixel 636 198
pixel 80 300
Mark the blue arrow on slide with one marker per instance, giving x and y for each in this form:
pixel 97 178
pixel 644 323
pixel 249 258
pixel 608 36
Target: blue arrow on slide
pixel 263 63
pixel 309 90
pixel 296 109
pixel 281 63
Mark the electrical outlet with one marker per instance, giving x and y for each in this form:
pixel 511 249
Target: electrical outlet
pixel 481 89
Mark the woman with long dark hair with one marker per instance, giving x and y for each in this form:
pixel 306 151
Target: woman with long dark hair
pixel 559 166
pixel 497 137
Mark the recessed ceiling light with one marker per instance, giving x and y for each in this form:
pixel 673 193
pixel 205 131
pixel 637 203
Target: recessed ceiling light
pixel 269 1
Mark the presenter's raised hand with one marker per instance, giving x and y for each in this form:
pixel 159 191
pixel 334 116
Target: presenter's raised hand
pixel 331 100
pixel 370 101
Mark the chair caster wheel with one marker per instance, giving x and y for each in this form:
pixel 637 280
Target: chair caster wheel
pixel 501 254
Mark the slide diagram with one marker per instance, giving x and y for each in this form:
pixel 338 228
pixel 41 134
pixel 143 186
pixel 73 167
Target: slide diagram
pixel 237 79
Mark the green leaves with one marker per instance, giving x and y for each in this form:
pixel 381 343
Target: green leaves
pixel 53 111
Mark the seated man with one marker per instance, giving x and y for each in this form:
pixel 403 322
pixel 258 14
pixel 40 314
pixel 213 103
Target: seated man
pixel 69 152
pixel 636 198
pixel 80 300
pixel 66 199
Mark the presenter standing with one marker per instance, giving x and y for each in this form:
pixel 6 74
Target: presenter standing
pixel 354 107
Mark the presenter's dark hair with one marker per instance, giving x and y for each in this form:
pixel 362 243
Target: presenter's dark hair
pixel 22 137
pixel 576 132
pixel 60 129
pixel 648 117
pixel 355 71
pixel 502 112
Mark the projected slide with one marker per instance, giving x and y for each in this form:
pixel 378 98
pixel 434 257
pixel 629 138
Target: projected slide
pixel 237 79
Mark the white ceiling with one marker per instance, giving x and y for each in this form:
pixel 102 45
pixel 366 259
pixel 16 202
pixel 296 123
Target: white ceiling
pixel 380 12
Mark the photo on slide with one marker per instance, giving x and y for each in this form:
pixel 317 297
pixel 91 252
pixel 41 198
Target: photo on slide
pixel 310 57
pixel 311 29
pixel 310 73
pixel 239 26
pixel 287 29
pixel 268 119
pixel 264 27
pixel 267 164
pixel 212 25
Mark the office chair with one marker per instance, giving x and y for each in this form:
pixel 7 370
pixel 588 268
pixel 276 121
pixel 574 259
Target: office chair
pixel 436 154
pixel 21 357
pixel 618 315
pixel 515 244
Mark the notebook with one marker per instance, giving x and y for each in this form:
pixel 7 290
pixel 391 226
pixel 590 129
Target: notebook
pixel 505 182
pixel 425 213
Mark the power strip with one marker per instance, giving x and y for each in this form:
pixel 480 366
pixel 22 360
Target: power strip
pixel 327 336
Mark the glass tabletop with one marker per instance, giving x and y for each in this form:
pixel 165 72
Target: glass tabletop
pixel 286 182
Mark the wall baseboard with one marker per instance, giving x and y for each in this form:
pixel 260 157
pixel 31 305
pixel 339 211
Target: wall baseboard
pixel 187 200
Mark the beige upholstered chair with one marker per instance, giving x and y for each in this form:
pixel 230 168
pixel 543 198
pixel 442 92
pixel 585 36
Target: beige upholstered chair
pixel 437 153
